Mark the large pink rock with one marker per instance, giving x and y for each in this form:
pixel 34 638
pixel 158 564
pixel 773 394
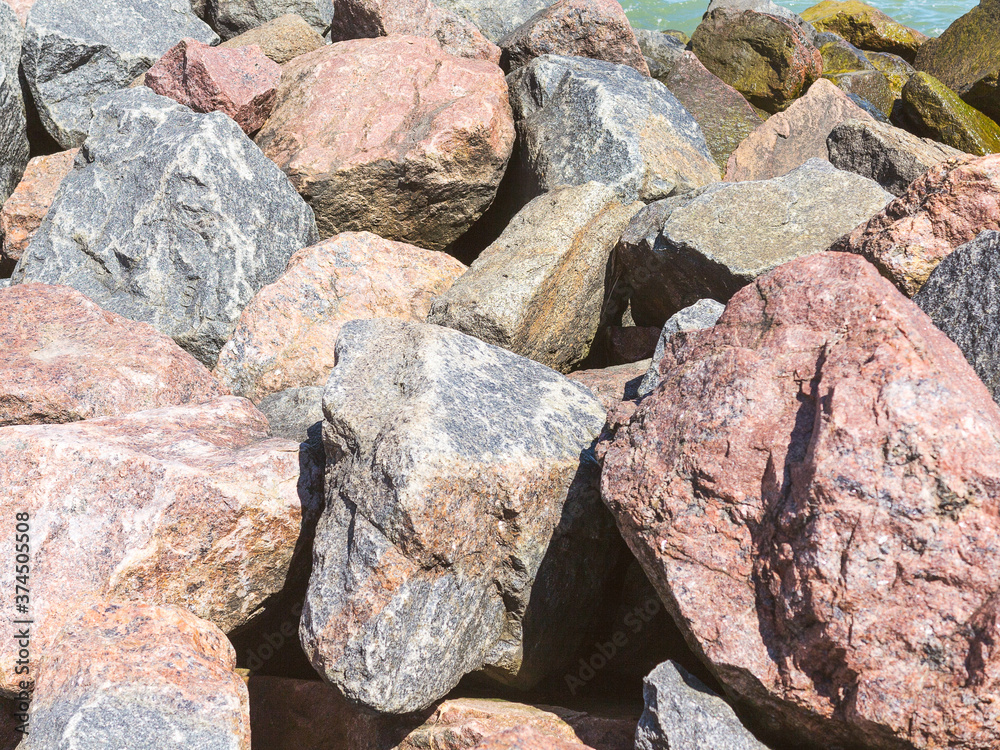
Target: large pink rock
pixel 23 211
pixel 286 336
pixel 239 82
pixel 136 675
pixel 63 359
pixel 187 505
pixel 946 207
pixel 813 491
pixel 393 136
pixel 584 28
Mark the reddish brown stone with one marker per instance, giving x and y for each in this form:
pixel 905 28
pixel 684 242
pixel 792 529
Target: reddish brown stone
pixel 125 675
pixel 526 738
pixel 286 336
pixel 64 359
pixel 393 136
pixel 612 385
pixel 813 490
pixel 946 207
pixel 24 210
pixel 584 28
pixel 239 82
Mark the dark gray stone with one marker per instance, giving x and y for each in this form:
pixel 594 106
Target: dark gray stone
pixel 962 297
pixel 13 125
pixel 661 51
pixel 704 313
pixel 233 17
pixel 295 412
pixel 175 218
pixel 495 18
pixel 77 50
pixel 683 714
pixel 463 527
pixel 581 120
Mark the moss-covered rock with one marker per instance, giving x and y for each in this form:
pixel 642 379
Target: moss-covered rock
pixel 680 36
pixel 895 69
pixel 869 85
pixel 937 112
pixel 865 27
pixel 840 56
pixel 769 60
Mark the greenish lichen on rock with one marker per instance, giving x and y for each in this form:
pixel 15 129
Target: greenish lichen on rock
pixel 937 112
pixel 865 26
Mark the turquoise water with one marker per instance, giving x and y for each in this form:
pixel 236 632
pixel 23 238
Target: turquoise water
pixel 929 17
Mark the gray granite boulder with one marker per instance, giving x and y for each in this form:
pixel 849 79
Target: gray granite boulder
pixel 77 50
pixel 682 713
pixel 463 527
pixel 962 297
pixel 13 125
pixel 294 413
pixel 716 241
pixel 704 313
pixel 891 156
pixel 581 120
pixel 495 18
pixel 661 51
pixel 538 289
pixel 233 17
pixel 175 218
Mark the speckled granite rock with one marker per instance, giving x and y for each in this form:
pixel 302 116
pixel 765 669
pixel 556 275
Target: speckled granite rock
pixel 615 384
pixel 233 17
pixel 704 313
pixel 13 122
pixel 865 26
pixel 769 7
pixel 937 112
pixel 22 213
pixel 526 738
pixel 294 412
pixel 538 291
pixel 495 18
pixel 75 51
pixel 660 51
pixel 583 120
pixel 139 676
pixel 869 86
pixel 283 39
pixel 182 233
pixel 443 500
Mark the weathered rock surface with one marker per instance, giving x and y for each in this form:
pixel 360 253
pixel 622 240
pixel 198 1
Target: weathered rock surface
pixel 818 476
pixel 840 56
pixel 286 336
pixel 660 50
pixel 583 120
pixel 356 19
pixel 682 713
pixel 769 7
pixel 24 210
pixel 596 29
pixel 723 115
pixel 769 60
pixel 234 17
pixel 65 359
pixel 948 206
pixel 241 82
pixel 416 158
pixel 75 51
pixel 789 139
pixel 187 505
pixel 443 501
pixel 870 86
pixel 172 217
pixel 891 156
pixel 526 738
pixel 937 112
pixel 612 385
pixel 678 251
pixel 866 27
pixel 962 296
pixel 284 38
pixel 704 313
pixel 294 413
pixel 895 69
pixel 21 8
pixel 538 291
pixel 495 19
pixel 13 122
pixel 136 675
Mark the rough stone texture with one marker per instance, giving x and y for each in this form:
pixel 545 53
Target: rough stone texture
pixel 140 676
pixel 679 251
pixel 241 82
pixel 891 156
pixel 286 336
pixel 725 117
pixel 494 18
pixel 769 60
pixel 962 297
pixel 13 122
pixel 171 217
pixel 868 85
pixel 840 56
pixel 24 210
pixel 789 139
pixel 526 738
pixel 75 51
pixel 583 28
pixel 660 50
pixel 612 385
pixel 234 17
pixel 866 27
pixel 20 8
pixel 704 313
pixel 187 505
pixel 355 19
pixel 281 40
pixel 294 412
pixel 393 136
pixel 812 490
pixel 581 120
pixel 770 8
pixel 538 291
pixel 895 69
pixel 937 112
pixel 65 359
pixel 948 206
pixel 462 528
pixel 683 714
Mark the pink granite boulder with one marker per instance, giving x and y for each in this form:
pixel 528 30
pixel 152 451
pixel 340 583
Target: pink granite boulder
pixel 23 211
